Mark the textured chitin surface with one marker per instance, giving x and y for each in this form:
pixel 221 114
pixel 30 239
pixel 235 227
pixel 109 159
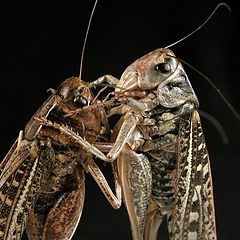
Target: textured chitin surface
pixel 181 176
pixel 42 177
pixel 161 151
pixel 193 217
pixel 136 180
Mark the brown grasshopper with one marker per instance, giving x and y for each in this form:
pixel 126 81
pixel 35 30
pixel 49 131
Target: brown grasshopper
pixel 163 164
pixel 42 177
pixel 162 159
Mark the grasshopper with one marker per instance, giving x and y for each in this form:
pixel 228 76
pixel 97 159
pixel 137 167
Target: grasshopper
pixel 162 159
pixel 42 186
pixel 42 177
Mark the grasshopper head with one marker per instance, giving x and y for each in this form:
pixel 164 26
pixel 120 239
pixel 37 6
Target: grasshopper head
pixel 75 92
pixel 162 72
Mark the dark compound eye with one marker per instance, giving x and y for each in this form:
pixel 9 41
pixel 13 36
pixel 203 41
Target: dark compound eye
pixel 163 67
pixel 75 97
pixel 80 101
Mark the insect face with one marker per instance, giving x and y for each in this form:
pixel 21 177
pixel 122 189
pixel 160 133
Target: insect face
pixel 75 92
pixel 159 70
pixel 149 71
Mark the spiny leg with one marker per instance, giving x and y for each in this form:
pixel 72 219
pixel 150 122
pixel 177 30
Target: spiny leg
pixel 74 136
pixel 90 165
pixel 136 180
pixel 113 199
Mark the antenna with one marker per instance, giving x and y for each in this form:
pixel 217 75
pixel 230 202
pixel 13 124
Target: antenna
pixel 216 124
pixel 197 29
pixel 85 39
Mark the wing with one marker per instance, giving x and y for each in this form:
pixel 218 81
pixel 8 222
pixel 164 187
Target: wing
pixel 22 173
pixel 11 162
pixel 193 216
pixel 61 220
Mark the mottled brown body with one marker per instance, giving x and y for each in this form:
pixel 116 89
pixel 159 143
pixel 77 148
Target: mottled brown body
pixel 42 177
pixel 160 135
pixel 162 161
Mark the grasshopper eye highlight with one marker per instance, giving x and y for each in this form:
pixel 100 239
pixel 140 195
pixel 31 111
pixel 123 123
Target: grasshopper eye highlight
pixel 76 98
pixel 80 101
pixel 163 67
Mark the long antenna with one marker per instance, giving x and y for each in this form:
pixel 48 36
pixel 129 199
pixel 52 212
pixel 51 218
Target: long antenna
pixel 85 39
pixel 197 29
pixel 216 124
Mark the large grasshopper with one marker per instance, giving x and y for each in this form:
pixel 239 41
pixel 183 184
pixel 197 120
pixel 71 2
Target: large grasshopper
pixel 162 159
pixel 42 177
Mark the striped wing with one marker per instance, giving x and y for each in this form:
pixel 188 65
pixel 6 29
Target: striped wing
pixel 22 173
pixel 193 216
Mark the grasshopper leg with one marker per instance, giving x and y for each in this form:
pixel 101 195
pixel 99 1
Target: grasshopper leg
pixel 153 220
pixel 126 131
pixel 105 78
pixel 114 200
pixel 136 180
pixel 74 136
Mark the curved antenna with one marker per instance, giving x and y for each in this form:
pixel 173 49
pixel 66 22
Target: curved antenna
pixel 229 105
pixel 197 29
pixel 85 39
pixel 217 125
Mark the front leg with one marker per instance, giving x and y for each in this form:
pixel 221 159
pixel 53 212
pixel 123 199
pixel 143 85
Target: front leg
pixel 74 136
pixel 105 78
pixel 131 119
pixel 130 122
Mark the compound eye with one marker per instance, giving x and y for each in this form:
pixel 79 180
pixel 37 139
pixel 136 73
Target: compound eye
pixel 80 101
pixel 163 67
pixel 76 98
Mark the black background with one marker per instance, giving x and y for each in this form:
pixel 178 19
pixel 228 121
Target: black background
pixel 41 46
